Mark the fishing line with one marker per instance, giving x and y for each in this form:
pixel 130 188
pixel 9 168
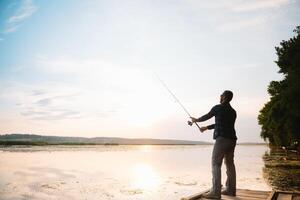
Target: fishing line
pixel 177 100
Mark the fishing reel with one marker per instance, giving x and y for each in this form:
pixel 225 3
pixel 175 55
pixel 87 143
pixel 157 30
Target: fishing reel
pixel 190 123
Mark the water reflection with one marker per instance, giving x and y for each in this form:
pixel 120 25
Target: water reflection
pixel 282 169
pixel 132 172
pixel 146 148
pixel 145 177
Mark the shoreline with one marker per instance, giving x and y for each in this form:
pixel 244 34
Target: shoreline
pixel 13 143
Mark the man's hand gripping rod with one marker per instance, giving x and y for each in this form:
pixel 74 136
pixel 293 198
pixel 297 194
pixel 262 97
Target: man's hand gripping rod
pixel 177 100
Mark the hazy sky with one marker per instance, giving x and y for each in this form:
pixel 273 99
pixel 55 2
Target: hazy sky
pixel 86 68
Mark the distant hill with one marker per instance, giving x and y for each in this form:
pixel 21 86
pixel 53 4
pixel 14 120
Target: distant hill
pixel 31 139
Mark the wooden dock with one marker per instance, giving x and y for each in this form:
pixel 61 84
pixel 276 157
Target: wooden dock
pixel 243 194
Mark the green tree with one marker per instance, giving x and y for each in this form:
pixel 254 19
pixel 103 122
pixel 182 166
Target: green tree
pixel 280 117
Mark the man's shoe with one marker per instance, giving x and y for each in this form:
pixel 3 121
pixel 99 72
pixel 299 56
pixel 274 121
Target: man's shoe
pixel 225 192
pixel 211 195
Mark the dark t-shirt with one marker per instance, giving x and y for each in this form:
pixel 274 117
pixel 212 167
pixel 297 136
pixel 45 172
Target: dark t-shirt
pixel 225 117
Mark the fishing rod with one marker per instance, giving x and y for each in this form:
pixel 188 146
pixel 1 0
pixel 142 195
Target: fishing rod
pixel 177 100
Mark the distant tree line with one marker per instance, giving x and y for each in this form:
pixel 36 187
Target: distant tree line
pixel 280 117
pixel 32 139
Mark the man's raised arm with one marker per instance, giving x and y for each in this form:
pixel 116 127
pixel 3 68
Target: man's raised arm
pixel 205 117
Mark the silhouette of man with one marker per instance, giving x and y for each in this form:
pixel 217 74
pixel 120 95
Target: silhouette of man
pixel 225 136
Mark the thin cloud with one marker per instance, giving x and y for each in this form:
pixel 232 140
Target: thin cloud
pixel 52 114
pixel 26 9
pixel 68 114
pixel 56 107
pixel 252 18
pixel 11 28
pixel 239 67
pixel 244 23
pixel 38 92
pixel 33 113
pixel 52 101
pixel 240 5
pixel 241 14
pixel 246 6
pixel 44 102
pixel 47 101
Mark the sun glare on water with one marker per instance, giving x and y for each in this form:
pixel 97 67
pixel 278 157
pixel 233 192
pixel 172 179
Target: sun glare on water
pixel 145 177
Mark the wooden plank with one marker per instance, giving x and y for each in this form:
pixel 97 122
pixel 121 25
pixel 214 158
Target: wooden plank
pixel 272 195
pixel 253 196
pixel 252 193
pixel 282 196
pixel 242 194
pixel 195 196
pixel 240 198
pixel 296 193
pixel 296 197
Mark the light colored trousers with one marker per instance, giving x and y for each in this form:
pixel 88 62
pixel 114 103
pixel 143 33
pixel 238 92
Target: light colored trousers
pixel 223 148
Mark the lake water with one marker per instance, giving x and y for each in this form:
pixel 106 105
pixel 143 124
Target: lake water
pixel 119 172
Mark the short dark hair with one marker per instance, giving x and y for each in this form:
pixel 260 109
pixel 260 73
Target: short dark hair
pixel 228 95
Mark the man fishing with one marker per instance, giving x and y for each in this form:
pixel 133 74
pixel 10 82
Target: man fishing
pixel 225 136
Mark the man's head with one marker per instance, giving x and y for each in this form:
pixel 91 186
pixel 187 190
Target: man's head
pixel 226 96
